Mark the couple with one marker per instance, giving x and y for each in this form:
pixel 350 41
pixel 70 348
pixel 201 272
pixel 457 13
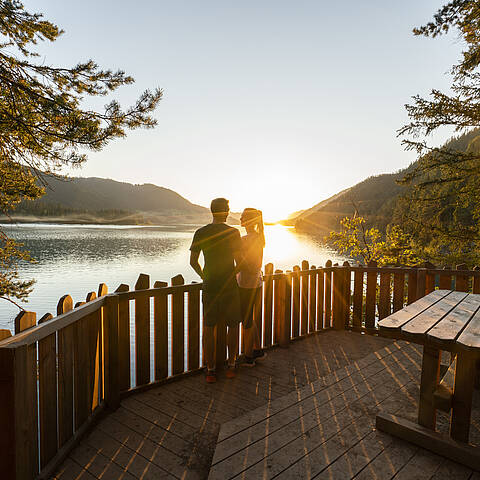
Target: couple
pixel 232 281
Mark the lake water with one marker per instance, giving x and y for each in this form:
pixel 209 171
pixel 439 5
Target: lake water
pixel 74 259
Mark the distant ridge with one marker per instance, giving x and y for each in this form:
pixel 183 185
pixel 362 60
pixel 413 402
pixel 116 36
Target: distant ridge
pixel 102 198
pixel 376 198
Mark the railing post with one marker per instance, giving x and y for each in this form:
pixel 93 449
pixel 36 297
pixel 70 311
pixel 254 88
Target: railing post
pixel 328 294
pixel 296 302
pixel 412 285
pixel 288 308
pixel 346 293
pixel 178 327
pixel 304 299
pixel 124 339
pixel 160 332
pixel 142 332
pixel 267 306
pixel 461 281
pixel 430 278
pixel 312 307
pixel 111 366
pixel 18 413
pixel 18 406
pixel 371 295
pixel 358 299
pixel 280 327
pixel 338 281
pixel 421 282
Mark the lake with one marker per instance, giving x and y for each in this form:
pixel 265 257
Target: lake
pixel 74 259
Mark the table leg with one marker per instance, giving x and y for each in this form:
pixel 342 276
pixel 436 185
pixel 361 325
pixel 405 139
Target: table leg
pixel 462 397
pixel 429 381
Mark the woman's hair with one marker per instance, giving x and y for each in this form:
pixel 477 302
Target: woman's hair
pixel 252 216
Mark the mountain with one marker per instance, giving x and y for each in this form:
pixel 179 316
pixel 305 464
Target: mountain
pixel 104 199
pixel 377 198
pixel 374 198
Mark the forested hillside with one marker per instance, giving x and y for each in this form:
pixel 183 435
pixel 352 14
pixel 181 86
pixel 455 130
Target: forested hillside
pixel 382 200
pixel 109 200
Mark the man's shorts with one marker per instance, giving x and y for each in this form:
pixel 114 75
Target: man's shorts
pixel 221 304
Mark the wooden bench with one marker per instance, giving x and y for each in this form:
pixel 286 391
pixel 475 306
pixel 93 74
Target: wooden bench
pixel 443 320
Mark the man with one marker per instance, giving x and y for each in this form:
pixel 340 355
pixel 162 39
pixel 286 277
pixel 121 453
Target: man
pixel 221 246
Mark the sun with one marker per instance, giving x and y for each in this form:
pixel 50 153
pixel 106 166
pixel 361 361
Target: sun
pixel 274 211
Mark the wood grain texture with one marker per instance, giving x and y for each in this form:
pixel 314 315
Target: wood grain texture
pixel 428 383
pixel 312 302
pixel 320 300
pixel 267 305
pixel 384 296
pixel 371 297
pixel 193 331
pixel 25 320
pixel 295 302
pixel 449 328
pixel 160 332
pixel 65 374
pixel 427 319
pixel 461 281
pixel 358 298
pixel 124 339
pixel 462 397
pixel 425 438
pixel 412 286
pixel 470 337
pixel 47 391
pixel 398 290
pixel 178 328
pixel 443 394
pixel 142 332
pixel 304 287
pixel 346 293
pixel 328 295
pixel 400 318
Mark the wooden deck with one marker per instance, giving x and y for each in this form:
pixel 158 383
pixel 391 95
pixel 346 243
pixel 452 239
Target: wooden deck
pixel 306 411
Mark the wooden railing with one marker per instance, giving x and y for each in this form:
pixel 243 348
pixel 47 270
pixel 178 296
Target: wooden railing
pixel 57 377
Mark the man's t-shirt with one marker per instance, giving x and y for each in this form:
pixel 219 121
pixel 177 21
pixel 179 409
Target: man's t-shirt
pixel 218 242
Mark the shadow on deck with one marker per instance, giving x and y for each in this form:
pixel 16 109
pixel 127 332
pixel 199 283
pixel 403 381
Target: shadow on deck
pixel 304 412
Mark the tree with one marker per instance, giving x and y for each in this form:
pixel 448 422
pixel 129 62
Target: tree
pixel 442 203
pixel 43 123
pixel 367 244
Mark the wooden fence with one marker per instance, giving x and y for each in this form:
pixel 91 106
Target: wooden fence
pixel 57 377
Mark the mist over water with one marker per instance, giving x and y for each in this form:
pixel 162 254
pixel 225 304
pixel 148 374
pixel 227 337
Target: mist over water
pixel 74 259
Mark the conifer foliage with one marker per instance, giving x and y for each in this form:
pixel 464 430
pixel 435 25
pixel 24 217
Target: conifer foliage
pixel 44 125
pixel 442 207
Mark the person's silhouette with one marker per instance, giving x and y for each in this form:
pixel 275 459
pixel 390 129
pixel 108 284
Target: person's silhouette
pixel 221 246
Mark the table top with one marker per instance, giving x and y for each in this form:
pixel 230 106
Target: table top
pixel 445 318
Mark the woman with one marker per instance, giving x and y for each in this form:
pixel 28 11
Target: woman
pixel 249 280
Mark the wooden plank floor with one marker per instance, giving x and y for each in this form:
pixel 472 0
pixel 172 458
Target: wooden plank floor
pixel 327 429
pixel 172 431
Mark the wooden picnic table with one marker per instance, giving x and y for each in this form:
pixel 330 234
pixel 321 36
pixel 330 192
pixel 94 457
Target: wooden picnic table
pixel 443 320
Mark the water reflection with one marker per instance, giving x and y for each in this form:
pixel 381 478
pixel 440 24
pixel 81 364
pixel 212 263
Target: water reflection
pixel 74 259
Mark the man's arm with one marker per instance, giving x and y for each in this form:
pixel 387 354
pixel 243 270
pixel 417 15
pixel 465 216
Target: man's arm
pixel 195 264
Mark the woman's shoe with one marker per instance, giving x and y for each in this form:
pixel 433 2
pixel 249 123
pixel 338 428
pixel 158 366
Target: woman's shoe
pixel 248 362
pixel 259 354
pixel 211 376
pixel 231 373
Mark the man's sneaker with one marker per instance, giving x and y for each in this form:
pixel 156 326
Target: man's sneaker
pixel 259 354
pixel 230 373
pixel 211 376
pixel 248 362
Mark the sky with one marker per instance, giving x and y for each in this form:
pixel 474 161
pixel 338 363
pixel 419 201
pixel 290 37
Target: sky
pixel 272 104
